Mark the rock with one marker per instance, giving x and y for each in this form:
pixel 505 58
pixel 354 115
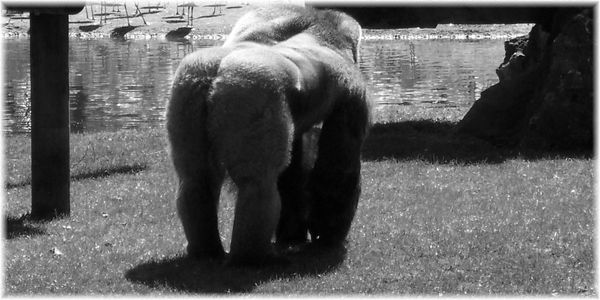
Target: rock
pixel 515 64
pixel 498 115
pixel 515 45
pixel 544 99
pixel 56 252
pixel 563 114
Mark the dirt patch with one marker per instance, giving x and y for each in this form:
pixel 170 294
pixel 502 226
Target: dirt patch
pixel 152 22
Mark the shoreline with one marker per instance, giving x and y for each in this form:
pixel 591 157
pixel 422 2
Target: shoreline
pixel 462 33
pixel 208 24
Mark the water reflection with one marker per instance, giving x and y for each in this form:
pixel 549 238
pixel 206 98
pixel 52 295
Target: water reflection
pixel 78 111
pixel 430 72
pixel 117 84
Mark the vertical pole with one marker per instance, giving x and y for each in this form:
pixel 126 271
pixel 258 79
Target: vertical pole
pixel 140 12
pixel 49 115
pixel 126 14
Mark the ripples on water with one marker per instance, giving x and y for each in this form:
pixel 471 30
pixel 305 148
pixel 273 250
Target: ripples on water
pixel 125 84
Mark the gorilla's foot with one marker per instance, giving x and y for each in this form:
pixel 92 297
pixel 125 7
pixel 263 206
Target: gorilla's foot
pixel 285 240
pixel 328 233
pixel 291 248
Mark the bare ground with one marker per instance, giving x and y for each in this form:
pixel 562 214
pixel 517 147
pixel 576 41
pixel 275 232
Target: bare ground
pixel 152 23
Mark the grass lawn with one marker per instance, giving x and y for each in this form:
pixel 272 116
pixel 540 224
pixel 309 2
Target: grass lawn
pixel 439 214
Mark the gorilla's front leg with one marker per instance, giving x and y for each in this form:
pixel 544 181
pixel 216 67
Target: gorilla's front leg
pixel 256 216
pixel 293 222
pixel 334 183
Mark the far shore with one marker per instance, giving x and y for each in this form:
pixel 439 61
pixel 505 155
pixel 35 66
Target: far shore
pixel 154 22
pixel 209 23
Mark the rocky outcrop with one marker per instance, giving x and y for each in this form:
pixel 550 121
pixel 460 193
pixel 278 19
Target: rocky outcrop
pixel 544 99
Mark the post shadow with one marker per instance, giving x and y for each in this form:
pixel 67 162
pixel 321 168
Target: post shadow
pixel 19 226
pixel 92 174
pixel 196 276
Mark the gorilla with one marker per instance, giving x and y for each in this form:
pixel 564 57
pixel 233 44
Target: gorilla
pixel 250 109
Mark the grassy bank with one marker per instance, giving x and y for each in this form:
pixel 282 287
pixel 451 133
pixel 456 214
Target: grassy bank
pixel 438 215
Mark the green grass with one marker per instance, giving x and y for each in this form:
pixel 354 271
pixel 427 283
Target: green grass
pixel 439 214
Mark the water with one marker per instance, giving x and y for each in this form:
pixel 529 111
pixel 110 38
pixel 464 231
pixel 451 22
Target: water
pixel 125 84
pixel 430 72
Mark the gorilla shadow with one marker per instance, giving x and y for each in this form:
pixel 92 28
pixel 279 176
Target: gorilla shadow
pixel 189 275
pixel 439 142
pixel 19 226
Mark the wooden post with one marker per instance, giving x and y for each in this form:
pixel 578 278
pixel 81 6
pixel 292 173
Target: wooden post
pixel 49 115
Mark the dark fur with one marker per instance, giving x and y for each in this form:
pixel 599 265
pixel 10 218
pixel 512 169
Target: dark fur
pixel 249 109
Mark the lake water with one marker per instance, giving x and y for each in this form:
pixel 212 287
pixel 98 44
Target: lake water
pixel 125 84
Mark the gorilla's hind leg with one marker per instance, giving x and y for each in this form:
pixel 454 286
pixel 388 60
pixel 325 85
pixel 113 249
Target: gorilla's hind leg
pixel 254 137
pixel 200 176
pixel 197 201
pixel 197 205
